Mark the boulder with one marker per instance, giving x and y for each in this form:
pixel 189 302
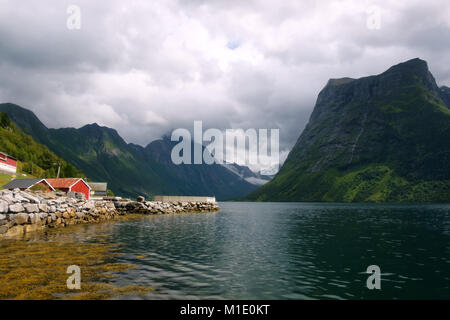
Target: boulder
pixel 3 206
pixel 43 207
pixel 34 218
pixel 140 199
pixel 80 215
pixel 3 229
pixel 22 218
pixel 20 199
pixel 16 207
pixel 9 198
pixel 31 207
pixel 43 215
pixel 30 197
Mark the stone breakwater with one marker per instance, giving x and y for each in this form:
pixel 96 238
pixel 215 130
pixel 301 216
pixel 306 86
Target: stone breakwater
pixel 22 212
pixel 157 207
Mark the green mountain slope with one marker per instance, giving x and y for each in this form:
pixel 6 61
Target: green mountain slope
pixel 34 158
pixel 130 169
pixel 206 179
pixel 379 138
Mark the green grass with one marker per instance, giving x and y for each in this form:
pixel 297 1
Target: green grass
pixel 4 179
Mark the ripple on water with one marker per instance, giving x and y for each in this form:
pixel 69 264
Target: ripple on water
pixel 281 251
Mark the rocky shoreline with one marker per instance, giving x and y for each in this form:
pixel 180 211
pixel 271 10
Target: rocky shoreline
pixel 22 212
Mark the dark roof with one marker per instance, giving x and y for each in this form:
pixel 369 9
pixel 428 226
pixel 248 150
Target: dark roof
pixel 22 183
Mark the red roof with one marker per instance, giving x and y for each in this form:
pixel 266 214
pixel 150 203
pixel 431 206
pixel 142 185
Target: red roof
pixel 63 182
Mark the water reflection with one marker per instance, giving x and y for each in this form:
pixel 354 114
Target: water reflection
pixel 281 251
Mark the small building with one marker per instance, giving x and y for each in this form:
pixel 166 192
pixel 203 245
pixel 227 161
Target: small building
pixel 71 185
pixel 29 185
pixel 184 199
pixel 8 164
pixel 98 189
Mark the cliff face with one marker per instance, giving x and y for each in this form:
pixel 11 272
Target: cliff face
pixel 445 95
pixel 378 138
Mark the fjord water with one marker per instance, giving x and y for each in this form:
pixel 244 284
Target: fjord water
pixel 286 251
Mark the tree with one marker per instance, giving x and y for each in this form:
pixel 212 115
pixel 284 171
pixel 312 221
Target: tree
pixel 5 122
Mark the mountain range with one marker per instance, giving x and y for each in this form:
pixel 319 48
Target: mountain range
pixel 131 169
pixel 383 138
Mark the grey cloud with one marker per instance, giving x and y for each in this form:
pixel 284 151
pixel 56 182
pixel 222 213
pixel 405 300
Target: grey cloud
pixel 146 68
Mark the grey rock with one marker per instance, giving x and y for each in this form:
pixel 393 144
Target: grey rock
pixel 3 206
pixel 79 215
pixel 89 205
pixel 16 207
pixel 19 198
pixel 43 215
pixel 31 207
pixel 22 218
pixel 9 198
pixel 43 207
pixel 3 229
pixel 30 197
pixel 34 218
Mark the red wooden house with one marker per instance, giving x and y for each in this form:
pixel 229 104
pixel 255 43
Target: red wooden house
pixel 8 164
pixel 71 184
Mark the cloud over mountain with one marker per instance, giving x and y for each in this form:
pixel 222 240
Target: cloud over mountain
pixel 145 67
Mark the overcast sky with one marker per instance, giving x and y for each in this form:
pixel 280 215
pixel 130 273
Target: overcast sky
pixel 146 67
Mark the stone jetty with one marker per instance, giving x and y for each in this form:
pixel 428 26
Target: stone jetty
pixel 22 211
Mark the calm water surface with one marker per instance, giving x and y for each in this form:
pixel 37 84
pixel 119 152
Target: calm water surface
pixel 288 251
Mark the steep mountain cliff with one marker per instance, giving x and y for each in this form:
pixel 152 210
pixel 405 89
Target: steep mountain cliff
pixel 378 138
pixel 445 95
pixel 130 169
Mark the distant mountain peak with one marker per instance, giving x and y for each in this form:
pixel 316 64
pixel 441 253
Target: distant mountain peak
pixel 95 128
pixel 416 66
